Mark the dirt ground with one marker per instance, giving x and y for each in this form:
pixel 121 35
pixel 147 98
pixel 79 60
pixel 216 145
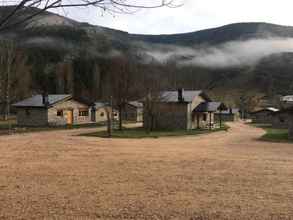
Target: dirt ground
pixel 224 175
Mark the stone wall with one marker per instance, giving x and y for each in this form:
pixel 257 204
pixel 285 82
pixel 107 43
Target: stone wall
pixel 169 116
pixel 32 117
pixel 280 120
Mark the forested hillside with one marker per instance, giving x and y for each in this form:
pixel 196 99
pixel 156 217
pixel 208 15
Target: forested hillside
pixel 65 56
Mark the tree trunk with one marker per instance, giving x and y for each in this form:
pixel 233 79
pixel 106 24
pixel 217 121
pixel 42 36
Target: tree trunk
pixel 109 123
pixel 220 118
pixel 120 117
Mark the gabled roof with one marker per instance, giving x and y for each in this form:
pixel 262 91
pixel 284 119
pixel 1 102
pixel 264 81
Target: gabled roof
pixel 210 107
pixel 188 95
pixel 136 104
pixel 37 101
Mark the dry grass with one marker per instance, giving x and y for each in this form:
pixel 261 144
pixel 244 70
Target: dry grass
pixel 224 175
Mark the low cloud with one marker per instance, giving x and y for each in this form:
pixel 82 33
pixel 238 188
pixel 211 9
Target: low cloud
pixel 234 53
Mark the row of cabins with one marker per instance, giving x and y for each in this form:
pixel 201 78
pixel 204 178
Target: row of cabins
pixel 175 110
pixel 60 110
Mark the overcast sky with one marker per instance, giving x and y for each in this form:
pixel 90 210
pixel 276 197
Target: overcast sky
pixel 193 15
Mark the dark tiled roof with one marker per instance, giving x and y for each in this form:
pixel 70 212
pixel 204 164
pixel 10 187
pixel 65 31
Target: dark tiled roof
pixel 188 95
pixel 209 107
pixel 136 104
pixel 37 100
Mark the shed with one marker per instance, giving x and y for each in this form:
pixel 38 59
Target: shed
pixel 263 116
pixel 133 111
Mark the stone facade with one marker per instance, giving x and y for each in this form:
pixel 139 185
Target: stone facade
pixel 32 117
pixel 57 115
pixel 280 120
pixel 168 116
pixel 68 106
pixel 178 115
pixel 198 120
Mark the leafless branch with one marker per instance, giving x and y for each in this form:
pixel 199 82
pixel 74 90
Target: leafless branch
pixel 19 9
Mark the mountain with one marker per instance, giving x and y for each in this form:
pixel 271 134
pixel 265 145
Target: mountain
pixel 228 59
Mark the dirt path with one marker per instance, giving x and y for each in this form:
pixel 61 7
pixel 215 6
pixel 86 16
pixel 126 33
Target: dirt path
pixel 60 175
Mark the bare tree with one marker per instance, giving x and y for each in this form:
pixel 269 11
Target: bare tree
pixel 123 86
pixel 152 84
pixel 14 75
pixel 21 10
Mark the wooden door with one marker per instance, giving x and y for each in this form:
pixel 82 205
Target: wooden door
pixel 70 117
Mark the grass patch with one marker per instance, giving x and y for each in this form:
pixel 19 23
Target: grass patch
pixel 138 133
pixel 274 134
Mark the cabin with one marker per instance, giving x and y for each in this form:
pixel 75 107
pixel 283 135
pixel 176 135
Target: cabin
pixel 52 110
pixel 229 115
pixel 100 110
pixel 263 116
pixel 190 109
pixel 133 111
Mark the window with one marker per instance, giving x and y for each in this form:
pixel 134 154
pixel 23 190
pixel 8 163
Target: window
pixel 204 117
pixel 27 112
pixel 60 113
pixel 102 114
pixel 83 112
pixel 115 114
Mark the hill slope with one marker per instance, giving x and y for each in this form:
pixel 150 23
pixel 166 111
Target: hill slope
pixel 228 58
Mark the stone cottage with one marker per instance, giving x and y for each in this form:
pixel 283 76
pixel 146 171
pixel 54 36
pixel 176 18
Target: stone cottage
pixel 52 110
pixel 190 109
pixel 263 116
pixel 133 111
pixel 99 112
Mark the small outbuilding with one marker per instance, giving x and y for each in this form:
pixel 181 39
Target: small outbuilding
pixel 133 111
pixel 263 116
pixel 229 115
pixel 100 110
pixel 52 110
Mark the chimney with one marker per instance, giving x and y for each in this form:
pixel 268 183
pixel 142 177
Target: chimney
pixel 181 95
pixel 45 99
